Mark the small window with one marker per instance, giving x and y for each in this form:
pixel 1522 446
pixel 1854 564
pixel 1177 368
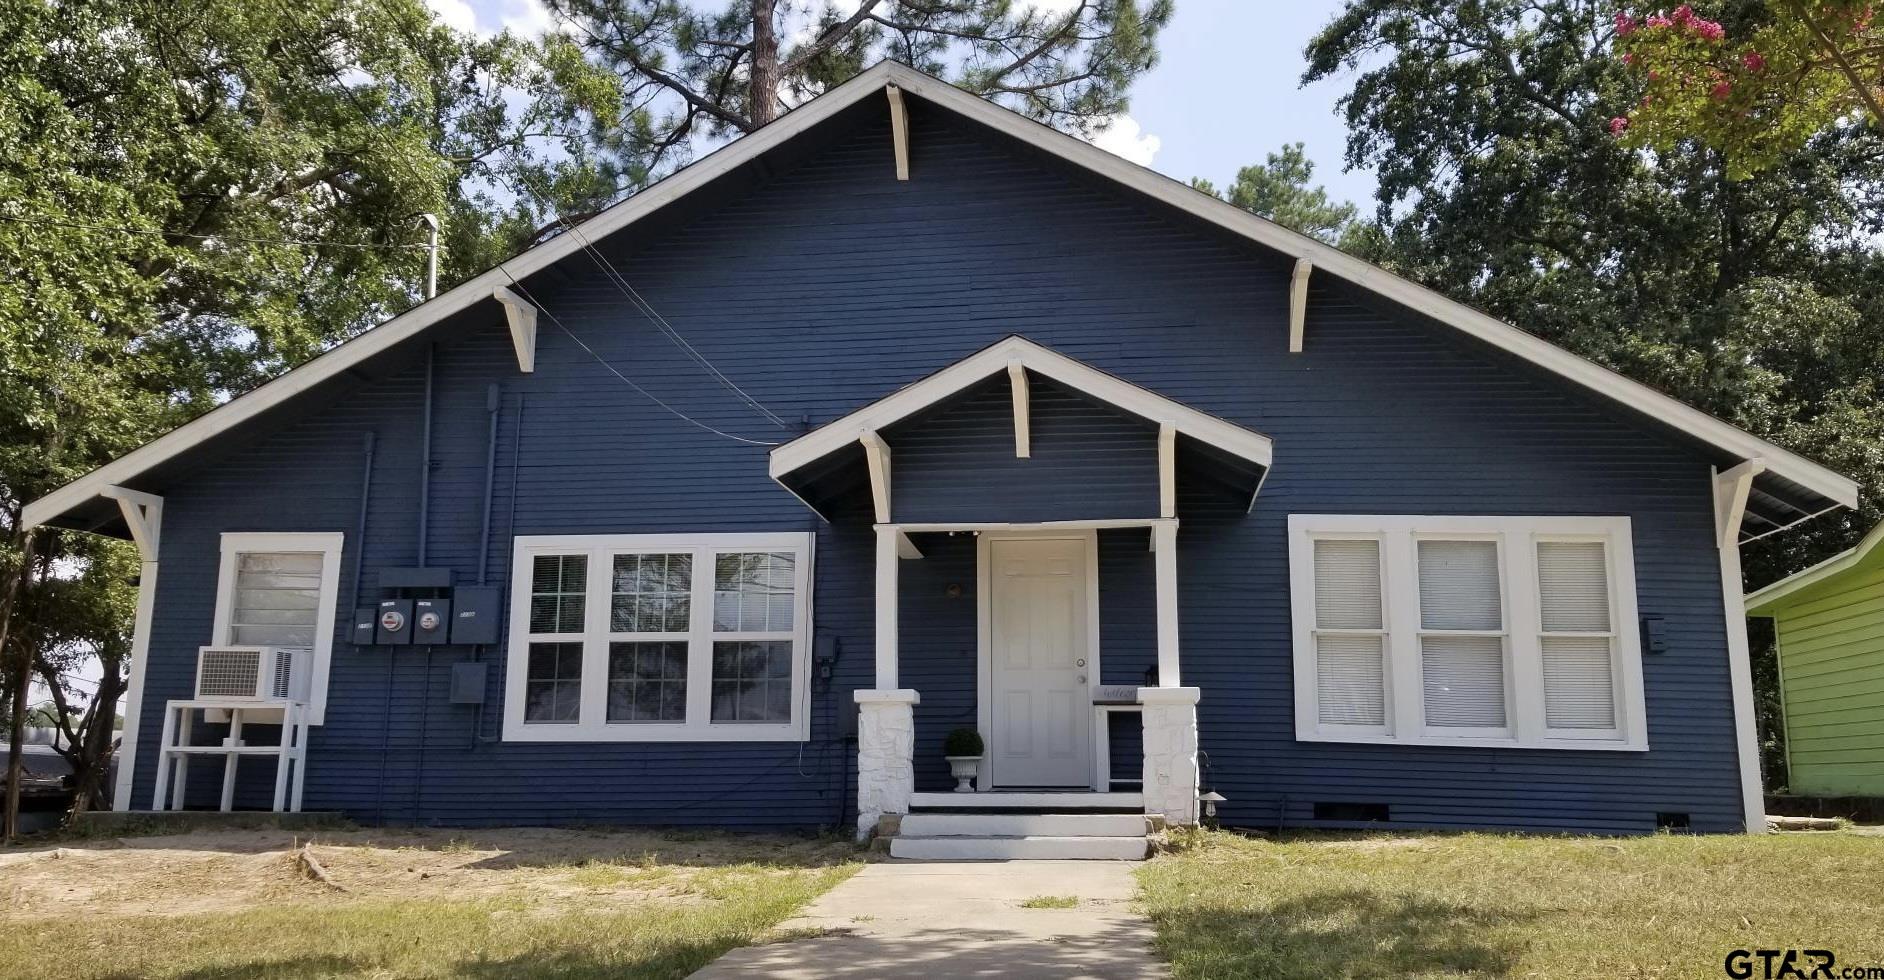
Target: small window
pixel 690 637
pixel 1466 631
pixel 553 695
pixel 280 590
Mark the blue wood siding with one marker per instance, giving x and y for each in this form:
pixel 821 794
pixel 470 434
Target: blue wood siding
pixel 832 286
pixel 1086 460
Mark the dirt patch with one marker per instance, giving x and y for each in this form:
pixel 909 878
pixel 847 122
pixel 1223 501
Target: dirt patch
pixel 217 871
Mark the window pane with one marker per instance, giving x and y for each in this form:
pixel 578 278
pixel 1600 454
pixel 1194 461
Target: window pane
pixel 558 585
pixel 1459 586
pixel 651 593
pixel 1347 584
pixel 1348 675
pixel 1464 681
pixel 647 682
pixel 553 683
pixel 1579 688
pixel 752 592
pixel 752 681
pixel 277 598
pixel 1573 586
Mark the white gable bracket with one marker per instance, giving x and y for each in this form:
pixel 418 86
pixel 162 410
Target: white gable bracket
pixel 143 514
pixel 1730 500
pixel 877 456
pixel 1298 303
pixel 899 130
pixel 1017 380
pixel 522 316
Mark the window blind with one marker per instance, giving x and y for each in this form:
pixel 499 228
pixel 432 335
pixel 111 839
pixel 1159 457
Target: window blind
pixel 277 599
pixel 1462 669
pixel 1577 645
pixel 1349 645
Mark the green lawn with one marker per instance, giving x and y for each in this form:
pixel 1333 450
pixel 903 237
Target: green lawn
pixel 1476 905
pixel 597 905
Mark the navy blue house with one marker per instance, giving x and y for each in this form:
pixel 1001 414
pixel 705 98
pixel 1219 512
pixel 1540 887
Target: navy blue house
pixel 906 414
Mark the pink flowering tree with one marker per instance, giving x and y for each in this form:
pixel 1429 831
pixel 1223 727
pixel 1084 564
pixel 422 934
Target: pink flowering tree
pixel 1757 87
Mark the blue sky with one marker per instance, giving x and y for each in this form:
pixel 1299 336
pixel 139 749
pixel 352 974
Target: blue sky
pixel 1225 91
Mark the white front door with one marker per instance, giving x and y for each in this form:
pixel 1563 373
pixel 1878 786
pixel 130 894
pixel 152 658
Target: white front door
pixel 1038 692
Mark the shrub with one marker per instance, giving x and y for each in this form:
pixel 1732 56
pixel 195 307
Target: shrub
pixel 963 741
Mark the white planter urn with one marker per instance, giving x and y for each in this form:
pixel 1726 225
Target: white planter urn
pixel 964 768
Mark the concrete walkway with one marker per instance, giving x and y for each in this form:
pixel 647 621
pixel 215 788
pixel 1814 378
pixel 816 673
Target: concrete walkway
pixel 906 919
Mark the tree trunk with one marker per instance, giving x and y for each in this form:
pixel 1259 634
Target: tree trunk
pixel 22 683
pixel 762 96
pixel 93 764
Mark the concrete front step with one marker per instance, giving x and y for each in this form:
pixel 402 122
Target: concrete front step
pixel 1048 802
pixel 1020 848
pixel 1023 825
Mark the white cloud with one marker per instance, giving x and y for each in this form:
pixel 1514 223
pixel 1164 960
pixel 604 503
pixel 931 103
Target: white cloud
pixel 528 18
pixel 455 14
pixel 1124 137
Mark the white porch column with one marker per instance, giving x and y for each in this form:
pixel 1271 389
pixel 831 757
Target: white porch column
pixel 886 755
pixel 1170 752
pixel 1164 554
pixel 886 607
pixel 1730 505
pixel 144 515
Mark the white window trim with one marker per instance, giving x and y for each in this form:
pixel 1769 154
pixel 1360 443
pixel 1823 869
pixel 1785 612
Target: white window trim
pixel 329 544
pixel 1517 539
pixel 592 724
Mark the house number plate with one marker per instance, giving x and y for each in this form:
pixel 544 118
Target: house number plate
pixel 1115 694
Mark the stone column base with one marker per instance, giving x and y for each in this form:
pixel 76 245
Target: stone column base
pixel 1170 717
pixel 886 757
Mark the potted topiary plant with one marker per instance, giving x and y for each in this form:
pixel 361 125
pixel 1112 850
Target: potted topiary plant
pixel 963 749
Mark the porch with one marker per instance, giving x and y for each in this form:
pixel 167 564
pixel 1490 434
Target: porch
pixel 1026 580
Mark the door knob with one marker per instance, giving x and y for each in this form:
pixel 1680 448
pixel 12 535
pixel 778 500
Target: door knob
pixel 1081 680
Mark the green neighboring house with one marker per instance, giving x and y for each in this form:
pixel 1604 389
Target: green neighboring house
pixel 1829 620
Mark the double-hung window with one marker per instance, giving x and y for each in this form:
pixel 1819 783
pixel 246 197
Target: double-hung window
pixel 280 590
pixel 1466 631
pixel 701 637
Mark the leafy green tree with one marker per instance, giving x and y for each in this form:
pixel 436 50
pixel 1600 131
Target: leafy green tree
pixel 1755 299
pixel 694 77
pixel 198 194
pixel 1281 190
pixel 1757 84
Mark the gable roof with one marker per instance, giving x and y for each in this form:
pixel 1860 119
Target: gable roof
pixel 1786 474
pixel 1763 602
pixel 1227 437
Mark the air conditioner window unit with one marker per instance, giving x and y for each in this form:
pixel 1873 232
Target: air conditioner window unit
pixel 251 674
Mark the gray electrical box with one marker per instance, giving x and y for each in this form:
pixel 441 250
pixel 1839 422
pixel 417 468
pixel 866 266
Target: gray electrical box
pixel 475 615
pixel 365 626
pixel 468 682
pixel 395 622
pixel 431 620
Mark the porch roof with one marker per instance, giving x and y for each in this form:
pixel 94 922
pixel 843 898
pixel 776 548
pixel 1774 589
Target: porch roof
pixel 823 464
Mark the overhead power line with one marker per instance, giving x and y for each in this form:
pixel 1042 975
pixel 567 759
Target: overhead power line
pixel 599 359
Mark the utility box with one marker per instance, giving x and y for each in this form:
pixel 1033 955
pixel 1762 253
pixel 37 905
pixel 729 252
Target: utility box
pixel 394 626
pixel 365 626
pixel 468 682
pixel 431 620
pixel 475 615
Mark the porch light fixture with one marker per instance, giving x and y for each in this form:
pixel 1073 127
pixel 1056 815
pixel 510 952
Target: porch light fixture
pixel 1210 801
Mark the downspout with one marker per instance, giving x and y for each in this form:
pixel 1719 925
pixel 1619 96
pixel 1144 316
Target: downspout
pixel 492 398
pixel 425 454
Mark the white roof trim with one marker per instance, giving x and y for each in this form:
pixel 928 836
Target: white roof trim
pixel 1837 564
pixel 995 359
pixel 1734 441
